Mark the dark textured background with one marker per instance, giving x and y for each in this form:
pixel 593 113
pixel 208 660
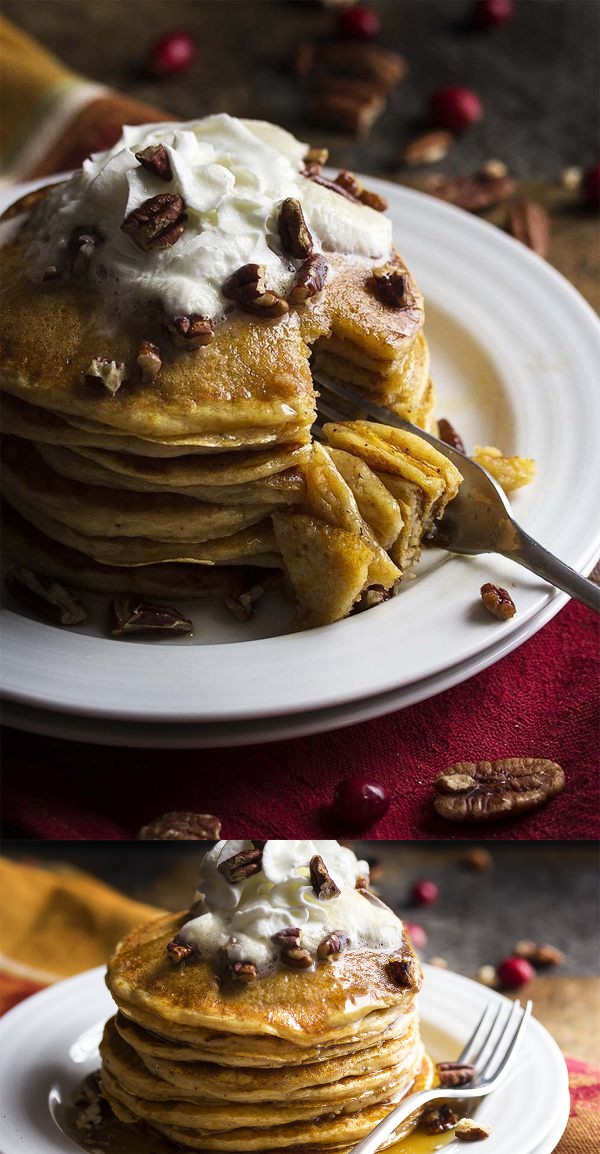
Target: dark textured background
pixel 537 76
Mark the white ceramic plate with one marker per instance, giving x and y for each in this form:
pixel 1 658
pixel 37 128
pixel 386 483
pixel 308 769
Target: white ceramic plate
pixel 515 352
pixel 49 1043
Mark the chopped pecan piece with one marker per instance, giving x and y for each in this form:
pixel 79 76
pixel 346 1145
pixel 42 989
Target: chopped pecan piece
pixel 148 359
pixel 182 826
pixel 437 1119
pixel 109 372
pixel 370 597
pixel 330 184
pixel 241 866
pixel 243 606
pixel 470 1131
pixel 318 156
pixel 333 945
pixel 158 222
pixel 448 434
pixel 243 972
pixel 321 880
pixel 455 1073
pixel 191 332
pixel 296 239
pixel 390 284
pixel 247 288
pixel 529 222
pixel 128 616
pixel 428 148
pixel 366 196
pixel 80 249
pixel 498 601
pixel 474 193
pixel 50 600
pixel 178 950
pixel 405 973
pixel 296 958
pixel 310 279
pixel 500 788
pixel 156 159
pixel 287 937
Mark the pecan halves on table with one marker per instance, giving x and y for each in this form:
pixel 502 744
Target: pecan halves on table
pixel 484 790
pixel 158 223
pixel 453 1074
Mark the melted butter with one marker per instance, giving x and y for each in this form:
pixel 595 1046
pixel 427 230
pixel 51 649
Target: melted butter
pixel 421 1143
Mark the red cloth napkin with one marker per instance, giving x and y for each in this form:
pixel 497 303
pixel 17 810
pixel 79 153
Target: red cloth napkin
pixel 540 701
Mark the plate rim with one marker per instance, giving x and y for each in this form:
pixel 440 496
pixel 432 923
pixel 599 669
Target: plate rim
pixel 92 981
pixel 534 616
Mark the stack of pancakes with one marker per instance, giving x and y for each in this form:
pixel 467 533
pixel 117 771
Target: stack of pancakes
pixel 296 1061
pixel 185 485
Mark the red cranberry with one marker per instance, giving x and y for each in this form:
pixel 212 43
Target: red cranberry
pixel 455 108
pixel 424 893
pixel 591 186
pixel 173 53
pixel 359 803
pixel 358 23
pixel 490 13
pixel 416 934
pixel 515 972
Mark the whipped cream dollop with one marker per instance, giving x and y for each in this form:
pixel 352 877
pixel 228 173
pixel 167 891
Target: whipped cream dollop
pixel 242 917
pixel 233 176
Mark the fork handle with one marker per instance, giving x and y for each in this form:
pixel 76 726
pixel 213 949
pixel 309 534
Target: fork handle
pixel 385 1129
pixel 523 549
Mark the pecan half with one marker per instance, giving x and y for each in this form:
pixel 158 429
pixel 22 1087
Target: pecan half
pixel 287 937
pixel 178 950
pixel 83 242
pixel 182 826
pixel 47 598
pixel 296 958
pixel 529 222
pixel 470 1131
pixel 389 284
pixel 365 61
pixel 296 240
pixel 149 362
pixel 499 788
pixel 539 955
pixel 437 1119
pixel 156 159
pixel 333 945
pixel 498 601
pixel 158 222
pixel 473 193
pixel 109 372
pixel 405 973
pixel 366 196
pixel 448 434
pixel 243 606
pixel 241 866
pixel 310 279
pixel 191 332
pixel 243 972
pixel 246 286
pixel 428 148
pixel 128 616
pixel 455 1073
pixel 321 880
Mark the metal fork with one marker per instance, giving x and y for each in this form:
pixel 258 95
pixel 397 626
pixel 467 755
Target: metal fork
pixel 491 1049
pixel 479 519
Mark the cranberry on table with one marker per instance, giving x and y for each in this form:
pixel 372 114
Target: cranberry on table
pixel 359 23
pixel 416 934
pixel 358 802
pixel 515 972
pixel 591 186
pixel 491 13
pixel 424 893
pixel 173 53
pixel 455 108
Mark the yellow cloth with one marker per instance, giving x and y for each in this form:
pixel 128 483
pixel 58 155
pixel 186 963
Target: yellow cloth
pixel 54 923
